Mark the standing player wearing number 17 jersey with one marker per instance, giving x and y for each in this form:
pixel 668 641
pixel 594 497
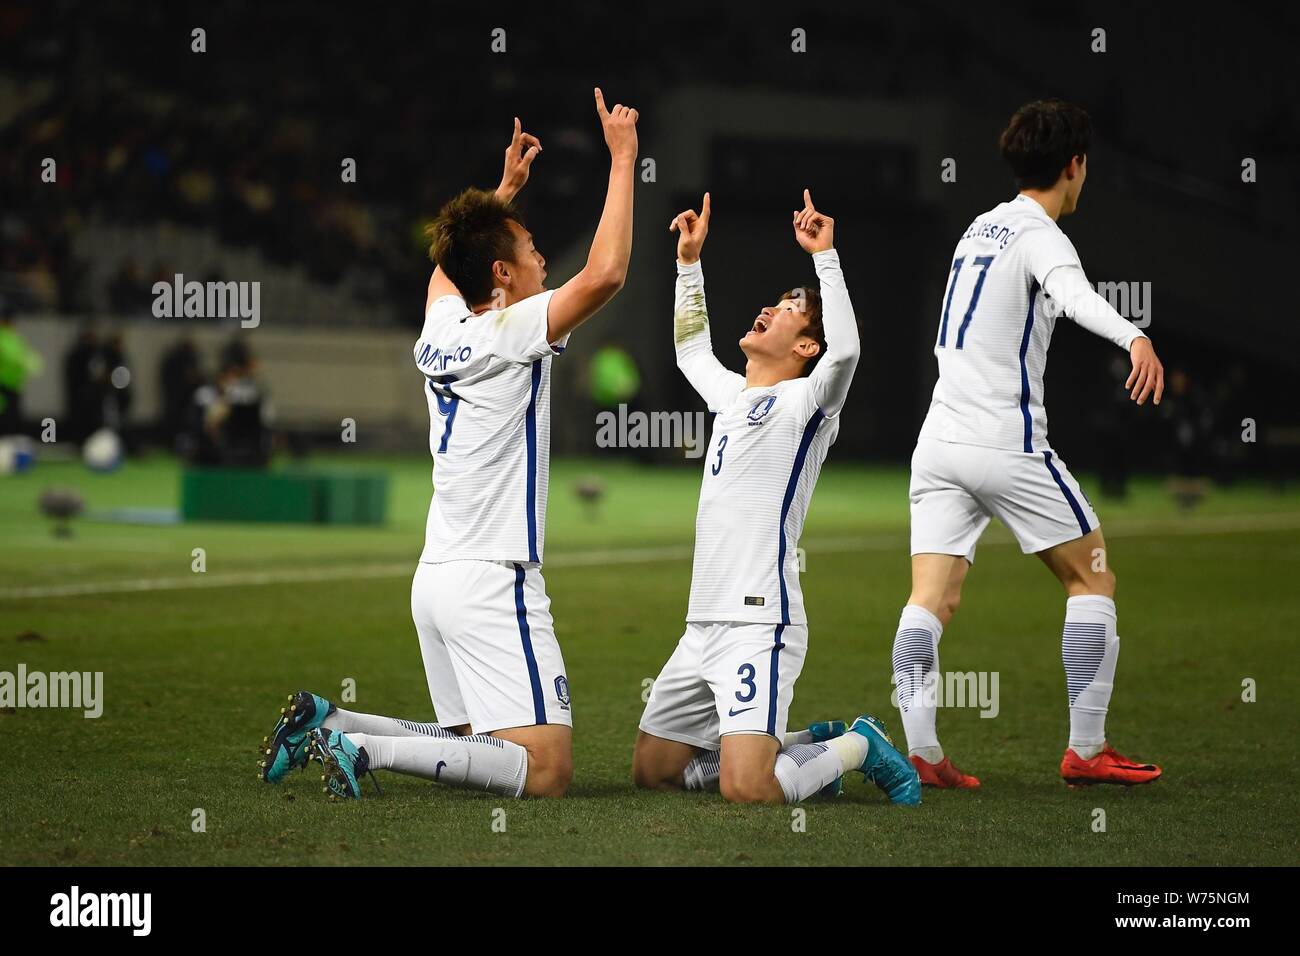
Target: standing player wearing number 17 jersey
pixel 717 712
pixel 983 450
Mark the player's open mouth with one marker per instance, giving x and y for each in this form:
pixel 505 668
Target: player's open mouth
pixel 760 326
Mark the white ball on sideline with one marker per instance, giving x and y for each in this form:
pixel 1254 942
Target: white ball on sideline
pixel 102 450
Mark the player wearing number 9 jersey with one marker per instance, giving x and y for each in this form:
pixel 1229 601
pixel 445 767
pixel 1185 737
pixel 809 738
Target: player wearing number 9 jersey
pixel 983 450
pixel 491 333
pixel 717 713
pixel 491 658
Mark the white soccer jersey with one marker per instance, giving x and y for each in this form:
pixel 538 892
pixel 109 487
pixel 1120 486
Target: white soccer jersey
pixel 764 457
pixel 1012 273
pixel 487 382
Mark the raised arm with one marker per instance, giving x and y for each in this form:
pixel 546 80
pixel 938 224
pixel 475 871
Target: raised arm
pixel 523 149
pixel 695 357
pixel 815 233
pixel 606 269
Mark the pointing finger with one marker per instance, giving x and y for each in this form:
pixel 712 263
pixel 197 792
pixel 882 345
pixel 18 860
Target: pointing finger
pixel 600 104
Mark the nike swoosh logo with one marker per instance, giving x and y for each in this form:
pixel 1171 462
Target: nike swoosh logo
pixel 437 771
pixel 733 712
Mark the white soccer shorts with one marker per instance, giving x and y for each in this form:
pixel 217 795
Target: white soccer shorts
pixel 956 489
pixel 489 647
pixel 726 678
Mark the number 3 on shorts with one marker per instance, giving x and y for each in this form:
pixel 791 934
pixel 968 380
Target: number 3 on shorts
pixel 746 675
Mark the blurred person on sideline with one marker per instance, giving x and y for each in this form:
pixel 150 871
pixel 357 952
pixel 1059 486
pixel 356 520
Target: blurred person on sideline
pixel 180 374
pixel 84 378
pixel 18 361
pixel 229 419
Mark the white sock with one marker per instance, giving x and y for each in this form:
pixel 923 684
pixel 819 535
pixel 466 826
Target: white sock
pixel 480 762
pixel 703 772
pixel 1089 650
pixel 804 769
pixel 349 722
pixel 916 656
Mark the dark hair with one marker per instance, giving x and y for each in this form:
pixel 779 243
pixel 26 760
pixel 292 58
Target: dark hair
pixel 811 299
pixel 1041 139
pixel 471 232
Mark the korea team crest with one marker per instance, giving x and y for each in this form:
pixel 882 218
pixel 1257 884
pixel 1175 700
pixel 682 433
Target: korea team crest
pixel 760 409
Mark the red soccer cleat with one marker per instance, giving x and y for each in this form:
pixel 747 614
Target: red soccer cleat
pixel 1108 766
pixel 943 775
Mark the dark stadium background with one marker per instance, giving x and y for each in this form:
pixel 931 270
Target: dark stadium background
pixel 238 150
pixel 202 604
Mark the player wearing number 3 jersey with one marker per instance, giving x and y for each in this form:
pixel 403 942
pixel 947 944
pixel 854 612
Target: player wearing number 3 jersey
pixel 983 451
pixel 717 713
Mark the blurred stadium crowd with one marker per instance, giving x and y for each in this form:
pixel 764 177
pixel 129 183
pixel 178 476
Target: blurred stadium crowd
pixel 238 157
pixel 144 136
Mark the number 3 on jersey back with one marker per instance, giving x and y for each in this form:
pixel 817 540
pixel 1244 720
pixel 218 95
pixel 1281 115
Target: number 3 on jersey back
pixel 983 263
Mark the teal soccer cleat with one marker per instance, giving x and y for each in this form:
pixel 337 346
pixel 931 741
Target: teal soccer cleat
pixel 825 730
pixel 833 789
pixel 822 731
pixel 342 762
pixel 286 748
pixel 885 766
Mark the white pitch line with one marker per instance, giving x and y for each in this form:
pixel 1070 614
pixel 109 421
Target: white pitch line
pixel 233 579
pixel 1218 524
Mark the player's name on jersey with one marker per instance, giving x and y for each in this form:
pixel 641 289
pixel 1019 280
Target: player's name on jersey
pixel 994 231
pixel 433 358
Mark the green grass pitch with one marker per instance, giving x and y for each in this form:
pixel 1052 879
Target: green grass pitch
pixel 196 666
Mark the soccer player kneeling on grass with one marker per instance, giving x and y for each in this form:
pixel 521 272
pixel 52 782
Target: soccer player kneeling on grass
pixel 983 449
pixel 716 716
pixel 491 658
